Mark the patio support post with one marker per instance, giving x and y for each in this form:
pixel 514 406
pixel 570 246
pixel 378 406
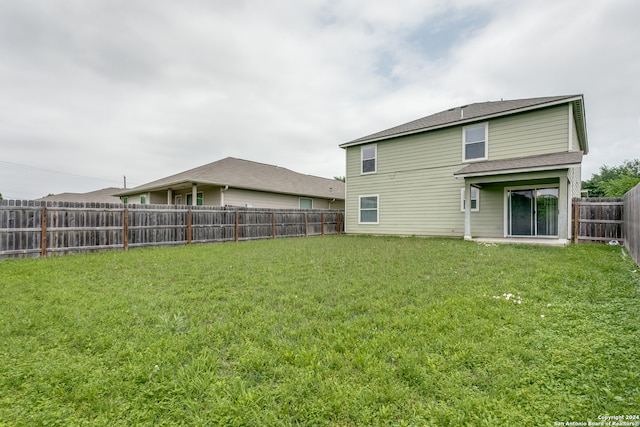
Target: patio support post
pixel 194 194
pixel 467 210
pixel 169 197
pixel 563 208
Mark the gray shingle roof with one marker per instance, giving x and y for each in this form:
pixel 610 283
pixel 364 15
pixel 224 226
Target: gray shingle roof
pixel 250 175
pixel 465 114
pixel 545 161
pixel 105 195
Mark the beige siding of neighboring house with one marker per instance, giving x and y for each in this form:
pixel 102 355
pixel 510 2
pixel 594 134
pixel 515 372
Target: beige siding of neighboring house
pixel 158 198
pixel 210 195
pixel 418 194
pixel 214 196
pixel 136 199
pixel 259 199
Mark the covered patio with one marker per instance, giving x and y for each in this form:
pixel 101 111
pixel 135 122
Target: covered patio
pixel 524 200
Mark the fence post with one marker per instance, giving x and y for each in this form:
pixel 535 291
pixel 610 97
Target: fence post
pixel 339 221
pixel 43 236
pixel 125 231
pixel 576 220
pixel 273 225
pixel 306 224
pixel 322 222
pixel 189 228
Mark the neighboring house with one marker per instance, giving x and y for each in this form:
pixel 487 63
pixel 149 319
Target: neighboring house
pixel 106 195
pixel 504 169
pixel 237 182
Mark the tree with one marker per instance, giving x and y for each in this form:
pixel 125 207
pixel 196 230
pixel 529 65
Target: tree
pixel 0 196
pixel 614 181
pixel 339 178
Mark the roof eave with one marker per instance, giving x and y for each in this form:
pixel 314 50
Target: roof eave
pixel 516 170
pixel 145 189
pixel 217 184
pixel 581 125
pixel 472 120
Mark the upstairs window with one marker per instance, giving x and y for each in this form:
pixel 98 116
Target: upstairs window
pixel 369 154
pixel 474 142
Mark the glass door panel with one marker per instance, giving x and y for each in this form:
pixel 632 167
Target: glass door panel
pixel 521 212
pixel 547 212
pixel 533 212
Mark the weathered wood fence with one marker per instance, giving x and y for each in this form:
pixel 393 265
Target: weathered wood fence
pixel 37 228
pixel 632 222
pixel 598 220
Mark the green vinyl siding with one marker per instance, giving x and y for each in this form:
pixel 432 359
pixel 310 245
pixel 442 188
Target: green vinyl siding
pixel 418 194
pixel 529 134
pixel 415 185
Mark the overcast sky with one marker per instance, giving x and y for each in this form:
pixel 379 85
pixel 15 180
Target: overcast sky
pixel 94 90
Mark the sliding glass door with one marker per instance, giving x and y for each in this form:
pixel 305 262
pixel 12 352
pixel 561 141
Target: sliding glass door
pixel 533 212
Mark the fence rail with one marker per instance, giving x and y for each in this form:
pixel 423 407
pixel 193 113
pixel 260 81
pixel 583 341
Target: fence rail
pixel 598 220
pixel 37 228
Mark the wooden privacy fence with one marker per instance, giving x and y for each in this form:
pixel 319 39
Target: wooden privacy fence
pixel 598 220
pixel 37 228
pixel 632 222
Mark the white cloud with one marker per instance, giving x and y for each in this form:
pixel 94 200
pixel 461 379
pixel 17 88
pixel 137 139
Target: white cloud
pixel 148 88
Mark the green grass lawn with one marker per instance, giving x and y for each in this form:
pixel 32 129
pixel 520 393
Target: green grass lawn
pixel 337 331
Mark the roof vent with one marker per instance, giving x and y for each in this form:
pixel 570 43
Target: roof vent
pixel 462 111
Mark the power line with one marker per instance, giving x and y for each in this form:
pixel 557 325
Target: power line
pixel 43 170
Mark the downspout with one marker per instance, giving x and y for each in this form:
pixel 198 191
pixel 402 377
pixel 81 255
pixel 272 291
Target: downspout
pixel 222 190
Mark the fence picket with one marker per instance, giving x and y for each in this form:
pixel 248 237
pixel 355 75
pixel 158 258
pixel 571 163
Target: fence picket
pixel 598 219
pixel 34 228
pixel 632 222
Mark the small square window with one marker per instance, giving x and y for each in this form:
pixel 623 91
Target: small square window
pixel 306 203
pixel 475 199
pixel 369 154
pixel 199 199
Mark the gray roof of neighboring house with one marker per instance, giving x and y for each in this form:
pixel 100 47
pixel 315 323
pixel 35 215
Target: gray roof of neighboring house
pixel 248 175
pixel 479 111
pixel 541 162
pixel 106 195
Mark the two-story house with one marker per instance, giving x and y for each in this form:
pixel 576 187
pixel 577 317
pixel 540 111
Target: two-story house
pixel 503 169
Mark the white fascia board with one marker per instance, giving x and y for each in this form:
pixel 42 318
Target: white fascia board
pixel 513 171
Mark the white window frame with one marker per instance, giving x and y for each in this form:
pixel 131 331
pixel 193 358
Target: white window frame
pixel 177 200
pixel 462 200
pixel 377 221
pixel 199 195
pixel 486 142
pixel 300 199
pixel 375 158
